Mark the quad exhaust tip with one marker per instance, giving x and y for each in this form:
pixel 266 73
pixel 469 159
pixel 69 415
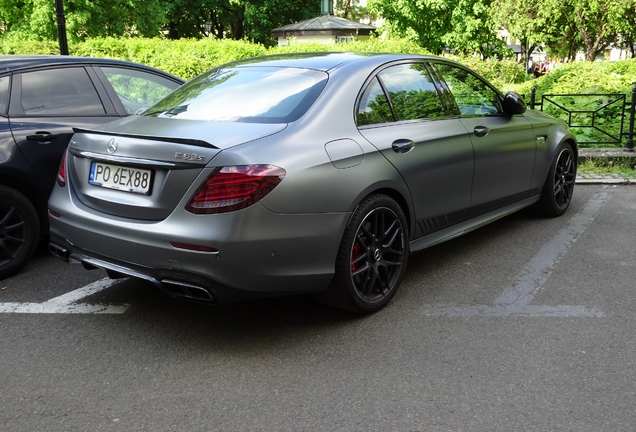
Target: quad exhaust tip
pixel 59 251
pixel 188 291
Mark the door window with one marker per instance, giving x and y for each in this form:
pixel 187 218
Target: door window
pixel 409 89
pixel 60 92
pixel 472 95
pixel 138 90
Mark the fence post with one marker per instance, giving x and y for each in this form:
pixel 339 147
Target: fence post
pixel 533 94
pixel 629 145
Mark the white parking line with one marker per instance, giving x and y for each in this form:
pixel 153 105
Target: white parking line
pixel 515 300
pixel 65 304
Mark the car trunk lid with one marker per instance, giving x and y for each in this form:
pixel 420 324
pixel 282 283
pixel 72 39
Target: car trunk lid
pixel 144 172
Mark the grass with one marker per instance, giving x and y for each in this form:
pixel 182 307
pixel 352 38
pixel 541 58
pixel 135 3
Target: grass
pixel 623 167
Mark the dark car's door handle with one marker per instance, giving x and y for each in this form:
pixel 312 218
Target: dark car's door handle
pixel 402 146
pixel 42 137
pixel 481 131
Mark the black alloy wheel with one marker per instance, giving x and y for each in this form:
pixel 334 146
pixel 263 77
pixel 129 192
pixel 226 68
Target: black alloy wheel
pixel 376 255
pixel 559 186
pixel 372 257
pixel 19 231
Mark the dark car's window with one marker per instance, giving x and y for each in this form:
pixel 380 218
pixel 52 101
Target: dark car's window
pixel 411 91
pixel 244 94
pixel 4 94
pixel 61 92
pixel 138 89
pixel 472 95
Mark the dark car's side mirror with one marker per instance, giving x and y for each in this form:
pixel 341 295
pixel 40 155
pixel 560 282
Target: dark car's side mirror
pixel 513 103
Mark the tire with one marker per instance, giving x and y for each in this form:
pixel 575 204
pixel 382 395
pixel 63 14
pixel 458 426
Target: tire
pixel 372 258
pixel 19 231
pixel 559 186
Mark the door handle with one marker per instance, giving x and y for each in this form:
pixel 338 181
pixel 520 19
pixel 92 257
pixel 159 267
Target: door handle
pixel 42 137
pixel 402 146
pixel 481 131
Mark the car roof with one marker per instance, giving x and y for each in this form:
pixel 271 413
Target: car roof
pixel 18 62
pixel 321 60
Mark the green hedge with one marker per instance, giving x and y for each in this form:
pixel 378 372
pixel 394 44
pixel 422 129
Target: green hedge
pixel 189 57
pixel 585 77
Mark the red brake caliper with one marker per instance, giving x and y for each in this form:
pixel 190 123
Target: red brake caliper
pixel 355 252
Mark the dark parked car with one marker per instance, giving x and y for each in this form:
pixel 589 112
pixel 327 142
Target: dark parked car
pixel 41 99
pixel 305 173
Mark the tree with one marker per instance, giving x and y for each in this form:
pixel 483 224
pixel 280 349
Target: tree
pixel 564 26
pixel 187 18
pixel 235 19
pixel 597 22
pixel 472 29
pixel 436 25
pixel 351 10
pixel 262 16
pixel 522 19
pixel 627 28
pixel 84 18
pixel 425 21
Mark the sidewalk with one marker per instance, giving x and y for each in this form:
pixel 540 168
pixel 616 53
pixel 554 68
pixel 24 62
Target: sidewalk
pixel 604 153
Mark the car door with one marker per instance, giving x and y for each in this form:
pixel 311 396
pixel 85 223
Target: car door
pixel 400 112
pixel 504 145
pixel 45 105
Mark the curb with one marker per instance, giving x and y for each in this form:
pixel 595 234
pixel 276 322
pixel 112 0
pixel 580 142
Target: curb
pixel 604 180
pixel 609 154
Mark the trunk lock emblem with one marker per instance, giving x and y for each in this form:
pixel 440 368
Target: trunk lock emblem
pixel 111 147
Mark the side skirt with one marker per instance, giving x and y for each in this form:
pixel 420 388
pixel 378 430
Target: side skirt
pixel 469 225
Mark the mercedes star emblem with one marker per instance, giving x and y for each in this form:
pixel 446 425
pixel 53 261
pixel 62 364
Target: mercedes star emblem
pixel 111 147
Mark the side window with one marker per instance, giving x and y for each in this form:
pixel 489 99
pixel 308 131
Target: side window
pixel 138 90
pixel 410 90
pixel 374 107
pixel 4 94
pixel 412 94
pixel 472 95
pixel 60 92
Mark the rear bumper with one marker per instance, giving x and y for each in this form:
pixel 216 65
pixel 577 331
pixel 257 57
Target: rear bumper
pixel 176 284
pixel 258 253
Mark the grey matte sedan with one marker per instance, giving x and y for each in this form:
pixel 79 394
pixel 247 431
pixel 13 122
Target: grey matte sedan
pixel 313 173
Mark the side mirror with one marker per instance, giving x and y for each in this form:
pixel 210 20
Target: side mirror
pixel 513 104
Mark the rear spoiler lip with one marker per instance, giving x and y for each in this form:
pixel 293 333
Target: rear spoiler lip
pixel 187 141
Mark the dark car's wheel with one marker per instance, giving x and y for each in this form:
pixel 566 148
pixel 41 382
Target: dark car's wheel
pixel 559 186
pixel 19 231
pixel 372 257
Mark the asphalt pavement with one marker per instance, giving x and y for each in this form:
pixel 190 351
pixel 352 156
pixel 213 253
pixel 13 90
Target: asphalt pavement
pixel 527 324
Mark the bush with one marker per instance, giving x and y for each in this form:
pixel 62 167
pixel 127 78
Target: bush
pixel 501 73
pixel 584 77
pixel 187 58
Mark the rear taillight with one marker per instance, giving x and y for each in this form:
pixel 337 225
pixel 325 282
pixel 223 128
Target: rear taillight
pixel 234 188
pixel 61 173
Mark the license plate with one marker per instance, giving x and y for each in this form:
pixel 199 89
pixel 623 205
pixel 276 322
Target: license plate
pixel 127 179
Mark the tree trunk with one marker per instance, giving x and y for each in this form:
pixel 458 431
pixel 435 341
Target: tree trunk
pixel 236 27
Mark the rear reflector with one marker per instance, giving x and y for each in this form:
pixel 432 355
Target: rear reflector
pixel 194 247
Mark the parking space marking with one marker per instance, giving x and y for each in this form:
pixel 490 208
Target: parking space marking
pixel 515 300
pixel 66 303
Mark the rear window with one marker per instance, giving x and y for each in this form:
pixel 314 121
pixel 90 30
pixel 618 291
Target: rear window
pixel 244 94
